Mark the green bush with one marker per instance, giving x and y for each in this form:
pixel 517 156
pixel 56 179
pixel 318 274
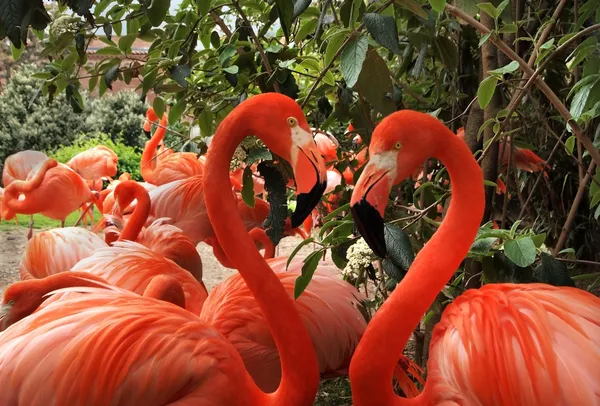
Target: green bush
pixel 120 115
pixel 30 120
pixel 129 157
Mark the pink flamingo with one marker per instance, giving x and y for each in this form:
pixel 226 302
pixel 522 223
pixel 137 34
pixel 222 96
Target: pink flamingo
pixel 169 167
pixel 503 344
pixel 95 164
pixel 17 167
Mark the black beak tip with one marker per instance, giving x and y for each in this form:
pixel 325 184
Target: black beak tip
pixel 370 226
pixel 306 202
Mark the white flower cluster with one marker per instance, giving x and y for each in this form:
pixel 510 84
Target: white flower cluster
pixel 62 24
pixel 359 257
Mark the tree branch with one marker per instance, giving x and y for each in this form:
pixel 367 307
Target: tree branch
pixel 560 107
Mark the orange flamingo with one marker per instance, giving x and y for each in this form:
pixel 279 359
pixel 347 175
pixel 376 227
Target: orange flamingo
pixel 52 189
pixel 161 238
pixel 23 298
pixel 57 250
pixel 144 340
pixel 327 144
pixel 503 344
pixel 96 163
pixel 17 167
pixel 169 167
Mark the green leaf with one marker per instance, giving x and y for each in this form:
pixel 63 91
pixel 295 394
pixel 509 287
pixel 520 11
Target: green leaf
pixel 595 199
pixel 538 239
pixel 508 29
pixel 570 144
pixel 299 7
pixel 490 183
pixel 548 44
pixel 502 6
pixel 126 42
pixel 111 75
pixel 306 29
pixel 375 83
pixel 248 187
pixel 489 9
pixel 226 53
pixel 180 73
pixel 486 90
pixel 177 111
pixel 80 44
pixel 413 6
pixel 392 270
pixel 333 45
pixel 215 41
pixel 159 106
pixel 205 122
pixel 399 248
pixel 510 68
pixel 308 269
pixel 447 51
pixel 285 11
pixel 438 5
pixel 383 30
pixel 92 83
pixel 333 214
pixel 17 15
pixel 580 99
pixel 275 186
pixel 352 59
pixel 481 247
pixel 297 249
pixel 69 61
pixel 484 39
pixel 157 11
pixel 107 27
pixel 520 251
pixel 110 50
pixel 233 69
pixel 203 7
pixel 553 272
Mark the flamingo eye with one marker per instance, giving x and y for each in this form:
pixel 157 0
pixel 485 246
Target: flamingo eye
pixel 11 302
pixel 292 121
pixel 397 145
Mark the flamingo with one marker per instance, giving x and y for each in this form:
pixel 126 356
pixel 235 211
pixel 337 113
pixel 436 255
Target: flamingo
pixel 95 163
pixel 57 250
pixel 22 298
pixel 503 344
pixel 17 167
pixel 169 167
pixel 161 238
pixel 149 352
pixel 52 189
pixel 327 144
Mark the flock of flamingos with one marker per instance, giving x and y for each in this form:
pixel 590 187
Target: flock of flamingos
pixel 124 319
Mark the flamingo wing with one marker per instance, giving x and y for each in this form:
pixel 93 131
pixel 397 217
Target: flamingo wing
pixel 18 166
pixel 131 266
pixel 527 344
pixel 113 348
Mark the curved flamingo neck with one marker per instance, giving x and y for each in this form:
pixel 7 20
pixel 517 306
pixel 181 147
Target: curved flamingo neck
pixel 166 288
pixel 37 289
pixel 140 214
pixel 259 236
pixel 150 150
pixel 381 346
pixel 300 377
pixel 26 186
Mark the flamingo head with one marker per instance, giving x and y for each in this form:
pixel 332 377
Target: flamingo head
pixel 125 193
pixel 399 145
pixel 290 138
pixel 20 300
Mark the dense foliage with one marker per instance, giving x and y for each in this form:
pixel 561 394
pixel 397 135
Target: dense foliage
pixel 354 62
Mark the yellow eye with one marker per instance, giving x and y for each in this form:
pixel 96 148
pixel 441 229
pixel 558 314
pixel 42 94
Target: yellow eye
pixel 397 145
pixel 292 121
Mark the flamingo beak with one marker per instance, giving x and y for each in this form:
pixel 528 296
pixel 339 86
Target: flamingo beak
pixel 311 180
pixel 4 312
pixel 368 203
pixel 147 127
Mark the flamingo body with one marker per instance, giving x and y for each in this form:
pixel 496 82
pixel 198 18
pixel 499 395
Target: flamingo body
pixel 57 250
pixel 539 343
pixel 138 351
pixel 131 266
pixel 95 163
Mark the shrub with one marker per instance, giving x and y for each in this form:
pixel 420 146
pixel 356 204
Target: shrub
pixel 30 120
pixel 129 157
pixel 119 115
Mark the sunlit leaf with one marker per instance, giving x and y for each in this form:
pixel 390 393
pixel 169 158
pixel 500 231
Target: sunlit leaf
pixel 486 90
pixel 352 59
pixel 521 251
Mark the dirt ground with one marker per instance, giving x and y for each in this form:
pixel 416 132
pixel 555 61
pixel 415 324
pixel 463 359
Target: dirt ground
pixel 12 245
